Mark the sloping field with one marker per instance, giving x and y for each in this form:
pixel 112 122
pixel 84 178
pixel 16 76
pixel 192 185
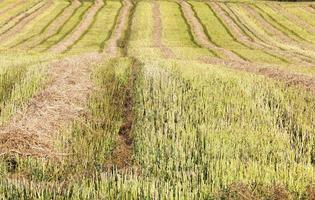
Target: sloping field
pixel 175 99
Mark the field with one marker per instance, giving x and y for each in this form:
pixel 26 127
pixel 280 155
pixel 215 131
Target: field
pixel 157 99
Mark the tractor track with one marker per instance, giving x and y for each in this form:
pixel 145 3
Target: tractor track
pixel 80 29
pixel 122 155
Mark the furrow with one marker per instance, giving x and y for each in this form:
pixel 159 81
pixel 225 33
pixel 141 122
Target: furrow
pixel 283 39
pixel 103 43
pixel 62 30
pixel 293 18
pixel 89 28
pixel 21 14
pixel 260 42
pixel 297 38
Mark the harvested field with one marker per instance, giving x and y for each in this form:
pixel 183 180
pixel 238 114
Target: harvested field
pixel 178 99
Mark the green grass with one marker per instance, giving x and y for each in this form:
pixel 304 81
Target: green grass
pixel 66 29
pixel 221 35
pixel 37 26
pixel 285 25
pixel 99 31
pixel 176 32
pixel 7 17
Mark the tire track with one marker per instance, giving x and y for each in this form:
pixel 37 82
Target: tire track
pixel 79 29
pixel 31 132
pixel 199 32
pixel 51 28
pixel 157 32
pixel 124 150
pixel 119 29
pixel 24 20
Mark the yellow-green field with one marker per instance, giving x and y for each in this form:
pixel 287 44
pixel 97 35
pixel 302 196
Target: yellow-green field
pixel 125 99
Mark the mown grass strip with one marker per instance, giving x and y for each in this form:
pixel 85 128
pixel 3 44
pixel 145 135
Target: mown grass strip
pixel 110 32
pixel 249 33
pixel 18 12
pixel 176 34
pixel 23 18
pixel 212 51
pixel 283 28
pixel 88 29
pixel 50 19
pixel 75 24
pixel 66 28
